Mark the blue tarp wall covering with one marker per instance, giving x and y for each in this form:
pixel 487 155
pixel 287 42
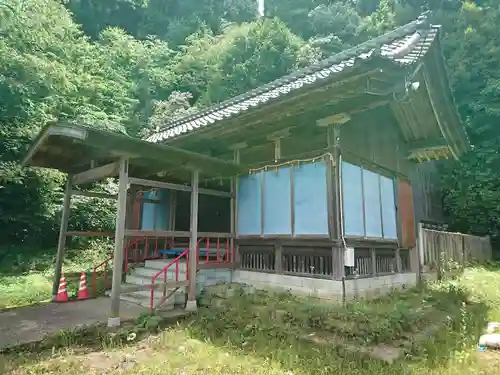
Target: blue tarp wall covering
pixel 249 204
pixel 362 188
pixel 162 211
pixel 267 196
pixel 310 199
pixel 277 202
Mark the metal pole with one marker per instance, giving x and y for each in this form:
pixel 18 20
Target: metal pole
pixel 193 256
pixel 62 236
pixel 114 319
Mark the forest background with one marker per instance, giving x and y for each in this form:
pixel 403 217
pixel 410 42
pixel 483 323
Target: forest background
pixel 130 65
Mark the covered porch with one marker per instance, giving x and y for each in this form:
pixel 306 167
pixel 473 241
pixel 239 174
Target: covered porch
pixel 88 155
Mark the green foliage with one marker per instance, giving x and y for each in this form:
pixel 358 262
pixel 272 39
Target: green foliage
pixel 131 65
pixel 215 68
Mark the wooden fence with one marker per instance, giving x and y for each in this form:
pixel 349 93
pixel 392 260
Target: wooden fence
pixel 441 252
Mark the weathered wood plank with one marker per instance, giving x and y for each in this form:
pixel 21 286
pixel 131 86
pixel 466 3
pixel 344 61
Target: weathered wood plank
pixel 94 194
pixel 171 186
pixel 119 242
pixel 61 245
pixel 193 258
pixel 96 174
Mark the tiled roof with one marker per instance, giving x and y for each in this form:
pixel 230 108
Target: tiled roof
pixel 403 46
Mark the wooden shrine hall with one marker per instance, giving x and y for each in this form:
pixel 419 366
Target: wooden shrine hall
pixel 310 178
pixel 88 155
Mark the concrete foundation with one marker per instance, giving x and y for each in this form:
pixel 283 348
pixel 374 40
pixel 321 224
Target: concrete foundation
pixel 326 289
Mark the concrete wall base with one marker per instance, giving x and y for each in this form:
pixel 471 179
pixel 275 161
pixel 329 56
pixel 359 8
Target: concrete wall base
pixel 326 289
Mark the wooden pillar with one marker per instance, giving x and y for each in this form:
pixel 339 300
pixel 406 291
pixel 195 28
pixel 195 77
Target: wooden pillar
pixel 173 206
pixel 234 207
pixel 114 319
pixel 373 255
pixel 193 256
pixel 278 258
pixel 418 265
pixel 61 245
pixel 131 199
pixel 399 264
pixel 336 234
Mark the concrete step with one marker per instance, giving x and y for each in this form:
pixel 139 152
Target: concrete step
pixel 150 272
pixel 139 279
pixel 144 300
pixel 159 264
pixel 167 306
pixel 128 288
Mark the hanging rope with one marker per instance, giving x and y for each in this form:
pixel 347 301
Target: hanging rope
pixel 291 162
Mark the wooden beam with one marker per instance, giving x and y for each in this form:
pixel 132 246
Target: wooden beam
pixel 428 144
pixel 193 256
pixel 77 233
pixel 114 319
pixel 339 118
pixel 238 146
pixel 170 186
pixel 96 174
pixel 156 233
pixel 94 194
pixel 279 134
pixel 158 184
pixel 61 245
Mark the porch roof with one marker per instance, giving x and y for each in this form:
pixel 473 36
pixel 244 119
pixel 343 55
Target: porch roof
pixel 409 52
pixel 74 149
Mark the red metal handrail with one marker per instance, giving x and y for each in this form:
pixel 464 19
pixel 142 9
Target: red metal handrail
pixel 106 264
pixel 164 271
pixel 229 254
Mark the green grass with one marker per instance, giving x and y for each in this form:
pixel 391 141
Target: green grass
pixel 26 274
pixel 245 335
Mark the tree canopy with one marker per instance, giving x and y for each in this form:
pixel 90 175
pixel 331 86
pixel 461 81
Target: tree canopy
pixel 127 65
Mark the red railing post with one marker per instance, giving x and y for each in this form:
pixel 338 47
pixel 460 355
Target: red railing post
pixel 106 273
pixel 94 281
pixel 136 256
pixel 125 259
pixel 165 281
pixel 146 248
pixel 151 299
pixel 227 250
pixel 156 248
pixel 164 272
pixel 207 246
pixel 218 249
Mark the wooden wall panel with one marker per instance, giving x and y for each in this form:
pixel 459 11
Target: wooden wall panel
pixel 374 136
pixel 406 214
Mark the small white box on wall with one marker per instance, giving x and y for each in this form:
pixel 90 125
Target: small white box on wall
pixel 349 257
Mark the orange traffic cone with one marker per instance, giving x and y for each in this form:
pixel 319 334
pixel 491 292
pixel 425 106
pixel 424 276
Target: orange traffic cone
pixel 83 291
pixel 62 293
